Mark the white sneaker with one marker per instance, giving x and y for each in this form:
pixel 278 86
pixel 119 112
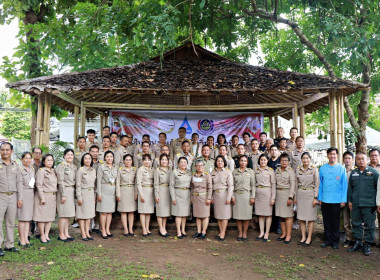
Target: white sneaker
pixel 76 225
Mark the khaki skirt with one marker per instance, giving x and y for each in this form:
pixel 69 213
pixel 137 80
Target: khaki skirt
pixel 25 214
pixel 66 210
pixel 146 207
pixel 222 211
pixel 282 210
pixel 87 209
pixel 200 209
pixel 182 207
pixel 108 203
pixel 305 209
pixel 127 201
pixel 45 213
pixel 163 209
pixel 262 202
pixel 242 210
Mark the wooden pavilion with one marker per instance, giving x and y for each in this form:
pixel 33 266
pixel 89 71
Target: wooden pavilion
pixel 190 78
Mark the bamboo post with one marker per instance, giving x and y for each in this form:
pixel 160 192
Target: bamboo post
pixel 40 108
pixel 302 122
pixel 271 133
pixel 46 120
pixel 82 119
pixel 105 121
pixel 339 122
pixel 295 115
pixel 76 125
pixel 101 126
pixel 275 126
pixel 342 119
pixel 333 124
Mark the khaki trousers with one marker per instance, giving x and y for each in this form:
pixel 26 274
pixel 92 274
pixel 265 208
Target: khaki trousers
pixel 8 211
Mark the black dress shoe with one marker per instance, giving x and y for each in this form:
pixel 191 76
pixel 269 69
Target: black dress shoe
pixel 63 240
pixel 96 231
pixel 145 235
pixel 13 250
pixel 346 243
pixel 71 238
pixel 301 243
pixel 265 239
pixel 335 246
pixel 163 235
pixel 221 239
pixel 150 234
pixel 180 236
pixel 43 242
pixel 90 238
pixel 326 244
pixel 184 235
pixel 217 237
pixel 280 238
pixel 241 239
pixel 244 239
pixel 84 239
pixel 367 249
pixel 287 242
pixel 196 235
pixel 37 236
pixel 203 236
pixel 126 234
pixel 1 253
pixel 105 236
pixel 258 238
pixel 110 235
pixel 308 244
pixel 358 245
pixel 22 245
pixel 131 234
pixel 167 234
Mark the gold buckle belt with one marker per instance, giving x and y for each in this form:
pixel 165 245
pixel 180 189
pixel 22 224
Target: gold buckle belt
pixel 220 190
pixel 89 189
pixel 164 185
pixel 127 185
pixel 304 189
pixel 283 189
pixel 7 193
pixel 183 189
pixel 200 194
pixel 260 187
pixel 52 193
pixel 147 186
pixel 240 192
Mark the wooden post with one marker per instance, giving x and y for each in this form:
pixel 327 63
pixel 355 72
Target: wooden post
pixel 106 121
pixel 302 123
pixel 271 127
pixel 82 119
pixel 76 125
pixel 333 123
pixel 40 108
pixel 295 115
pixel 340 121
pixel 101 125
pixel 275 126
pixel 46 120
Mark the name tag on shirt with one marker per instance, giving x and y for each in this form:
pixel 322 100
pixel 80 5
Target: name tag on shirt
pixel 31 183
pixel 197 180
pixel 355 174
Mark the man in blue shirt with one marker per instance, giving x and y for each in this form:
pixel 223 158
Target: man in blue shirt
pixel 332 196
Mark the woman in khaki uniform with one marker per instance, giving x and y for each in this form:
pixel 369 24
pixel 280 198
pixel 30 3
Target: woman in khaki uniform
pixel 126 194
pixel 201 194
pixel 164 150
pixel 223 187
pixel 286 183
pixel 264 195
pixel 25 213
pixel 162 193
pixel 180 194
pixel 221 141
pixel 243 197
pixel 85 193
pixel 65 196
pixel 106 192
pixel 45 201
pixel 144 185
pixel 307 187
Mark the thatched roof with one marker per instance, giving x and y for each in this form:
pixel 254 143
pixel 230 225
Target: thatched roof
pixel 209 79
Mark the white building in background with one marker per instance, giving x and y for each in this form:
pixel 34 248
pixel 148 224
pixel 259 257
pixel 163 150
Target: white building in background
pixel 66 128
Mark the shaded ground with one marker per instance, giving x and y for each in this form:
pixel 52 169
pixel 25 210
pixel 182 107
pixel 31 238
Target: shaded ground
pixel 132 257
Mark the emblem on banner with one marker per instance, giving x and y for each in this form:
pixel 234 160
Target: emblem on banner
pixel 166 124
pixel 186 125
pixel 205 126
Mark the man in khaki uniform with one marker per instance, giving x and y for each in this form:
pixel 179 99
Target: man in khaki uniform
pixel 280 135
pixel 161 142
pixel 241 151
pixel 374 159
pixel 94 152
pixel 176 145
pixel 291 143
pixel 282 147
pixel 80 151
pixel 106 131
pixel 37 154
pixel 106 143
pixel 348 160
pixel 91 139
pixel 137 160
pixel 247 142
pixel 234 145
pixel 208 162
pixel 255 154
pixel 185 153
pixel 230 162
pixel 295 155
pixel 113 146
pixel 123 150
pixel 138 147
pixel 11 196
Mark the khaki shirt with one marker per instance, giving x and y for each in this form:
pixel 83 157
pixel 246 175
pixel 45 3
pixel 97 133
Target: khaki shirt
pixel 201 184
pixel 248 148
pixel 179 179
pixel 176 146
pixel 46 182
pixel 144 177
pixel 287 151
pixel 295 158
pixel 66 176
pixel 137 160
pixel 126 177
pixel 85 180
pixel 97 164
pixel 190 159
pixel 156 163
pixel 209 164
pixel 308 178
pixel 78 156
pixel 121 152
pixel 377 167
pixel 89 144
pixel 223 180
pixel 36 167
pixel 233 151
pixel 138 150
pixel 27 174
pixel 161 178
pixel 244 181
pixel 157 149
pixel 101 154
pixel 105 175
pixel 11 179
pixel 230 163
pixel 291 145
pixel 266 178
pixel 286 180
pixel 196 149
pixel 255 159
pixel 114 148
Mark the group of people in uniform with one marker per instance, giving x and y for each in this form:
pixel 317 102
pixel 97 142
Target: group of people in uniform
pixel 269 178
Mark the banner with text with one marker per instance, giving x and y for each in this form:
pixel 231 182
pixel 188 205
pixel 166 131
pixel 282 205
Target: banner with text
pixel 139 122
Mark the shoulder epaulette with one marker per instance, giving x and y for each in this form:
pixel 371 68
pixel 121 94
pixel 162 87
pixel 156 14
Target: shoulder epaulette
pixel 41 168
pixel 63 163
pixel 133 167
pixel 178 154
pixel 101 161
pixel 206 172
pixel 194 173
pixel 228 169
pixel 300 167
pixel 249 169
pixel 314 166
pixel 139 154
pixel 120 168
pixel 270 168
pixel 257 168
pixel 81 167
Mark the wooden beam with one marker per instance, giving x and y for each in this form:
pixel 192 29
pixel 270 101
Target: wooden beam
pixel 76 125
pixel 40 113
pixel 46 121
pixel 73 101
pixel 230 107
pixel 82 119
pixel 302 122
pixel 295 115
pixel 271 130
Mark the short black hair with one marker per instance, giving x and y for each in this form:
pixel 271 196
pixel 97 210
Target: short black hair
pixel 373 150
pixel 91 131
pixel 147 142
pixel 194 134
pixel 184 142
pixel 109 152
pixel 294 128
pixel 162 156
pixel 94 147
pixel 26 153
pixel 128 155
pixel 145 156
pixel 240 145
pixel 181 128
pixel 234 136
pixel 67 151
pixel 44 159
pixel 332 149
pixel 254 139
pixel 205 145
pixel 145 135
pixel 113 133
pixel 162 133
pixel 272 146
pixel 262 155
pixel 210 136
pixel 123 136
pixel 181 158
pixel 263 133
pixel 241 156
pixel 223 158
pixel 106 127
pixel 284 155
pixel 223 136
pixel 36 148
pixel 6 143
pixel 106 137
pixel 82 159
pixel 282 139
pixel 348 153
pixel 305 154
pixel 246 133
pixel 81 137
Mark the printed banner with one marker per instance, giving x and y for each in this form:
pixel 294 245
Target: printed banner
pixel 139 122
